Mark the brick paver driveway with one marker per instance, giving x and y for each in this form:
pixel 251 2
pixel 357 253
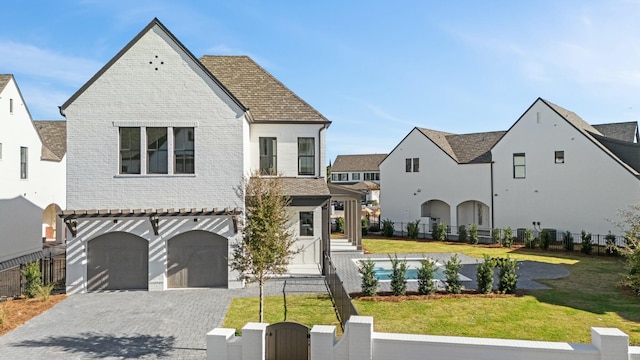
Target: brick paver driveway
pixel 134 324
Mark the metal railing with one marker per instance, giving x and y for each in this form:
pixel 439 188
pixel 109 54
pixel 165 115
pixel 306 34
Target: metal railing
pixel 339 295
pixel 52 268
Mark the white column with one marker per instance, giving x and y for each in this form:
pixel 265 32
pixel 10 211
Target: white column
pixel 253 341
pixel 612 343
pixel 323 339
pixel 217 340
pixel 360 337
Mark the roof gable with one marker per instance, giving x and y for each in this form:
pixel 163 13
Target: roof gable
pixel 361 162
pixel 4 80
pixel 53 135
pixel 155 23
pixel 266 97
pixel 465 148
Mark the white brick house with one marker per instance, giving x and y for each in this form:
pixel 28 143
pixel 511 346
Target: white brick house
pixel 32 172
pixel 158 142
pixel 549 167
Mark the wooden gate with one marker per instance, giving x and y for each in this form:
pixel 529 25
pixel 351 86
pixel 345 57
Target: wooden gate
pixel 287 341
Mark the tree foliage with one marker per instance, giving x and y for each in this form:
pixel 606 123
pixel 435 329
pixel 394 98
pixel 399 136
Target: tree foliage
pixel 267 245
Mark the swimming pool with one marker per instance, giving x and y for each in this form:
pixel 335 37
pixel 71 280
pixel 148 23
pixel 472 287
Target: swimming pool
pixel 383 269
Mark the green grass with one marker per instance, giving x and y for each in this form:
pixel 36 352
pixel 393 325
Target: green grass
pixel 588 297
pixel 305 309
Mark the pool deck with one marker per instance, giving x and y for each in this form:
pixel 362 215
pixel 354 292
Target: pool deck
pixel 527 273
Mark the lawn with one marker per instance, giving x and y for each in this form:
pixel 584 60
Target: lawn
pixel 589 297
pixel 308 309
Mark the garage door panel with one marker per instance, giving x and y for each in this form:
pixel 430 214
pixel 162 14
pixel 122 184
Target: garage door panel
pixel 197 259
pixel 117 261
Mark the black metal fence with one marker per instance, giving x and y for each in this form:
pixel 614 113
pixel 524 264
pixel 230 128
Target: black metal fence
pixel 339 295
pixel 52 268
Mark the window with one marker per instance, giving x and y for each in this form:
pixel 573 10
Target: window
pixel 342 177
pixel 129 150
pixel 559 157
pixel 306 156
pixel 23 162
pixel 412 165
pixel 372 176
pixel 518 166
pixel 268 155
pixel 183 150
pixel 10 106
pixel 355 176
pixel 157 150
pixel 306 223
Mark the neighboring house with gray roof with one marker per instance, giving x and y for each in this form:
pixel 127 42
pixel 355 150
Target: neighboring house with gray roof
pixel 160 144
pixel 352 169
pixel 550 167
pixel 32 179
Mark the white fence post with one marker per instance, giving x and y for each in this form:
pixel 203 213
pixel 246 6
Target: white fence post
pixel 360 337
pixel 612 343
pixel 323 339
pixel 253 341
pixel 217 340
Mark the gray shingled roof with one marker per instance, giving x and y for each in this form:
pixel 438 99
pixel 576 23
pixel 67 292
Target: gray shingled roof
pixel 266 97
pixel 304 186
pixel 625 131
pixel 466 148
pixel 364 162
pixel 4 80
pixel 53 135
pixel 364 186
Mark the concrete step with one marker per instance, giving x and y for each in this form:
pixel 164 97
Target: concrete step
pixel 343 245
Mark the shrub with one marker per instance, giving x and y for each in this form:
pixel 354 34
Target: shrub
pixel 426 286
pixel 462 233
pixel 439 232
pixel 507 277
pixel 567 241
pixel 473 234
pixel 44 291
pixel 545 239
pixel 451 269
pixel 398 276
pixel 369 282
pixel 587 244
pixel 364 224
pixel 495 236
pixel 610 244
pixel 413 229
pixel 529 240
pixel 507 237
pixel 375 227
pixel 340 224
pixel 387 228
pixel 33 279
pixel 484 275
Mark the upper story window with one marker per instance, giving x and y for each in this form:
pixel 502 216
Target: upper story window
pixel 519 169
pixel 412 164
pixel 157 151
pixel 559 157
pixel 372 176
pixel 268 155
pixel 129 150
pixel 24 166
pixel 306 223
pixel 10 106
pixel 355 176
pixel 339 177
pixel 184 150
pixel 306 156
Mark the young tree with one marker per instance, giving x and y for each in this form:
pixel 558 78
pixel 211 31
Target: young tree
pixel 267 245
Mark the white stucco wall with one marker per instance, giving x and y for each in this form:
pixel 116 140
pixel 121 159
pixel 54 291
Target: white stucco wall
pixel 20 228
pixel 133 93
pixel 440 178
pixel 287 146
pixel 583 193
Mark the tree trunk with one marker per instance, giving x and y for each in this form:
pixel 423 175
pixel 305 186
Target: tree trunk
pixel 261 285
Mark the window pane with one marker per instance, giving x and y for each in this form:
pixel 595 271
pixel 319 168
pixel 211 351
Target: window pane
pixel 306 223
pixel 355 176
pixel 184 150
pixel 559 157
pixel 157 150
pixel 518 172
pixel 407 165
pixel 130 150
pixel 518 159
pixel 306 156
pixel 23 162
pixel 268 155
pixel 416 164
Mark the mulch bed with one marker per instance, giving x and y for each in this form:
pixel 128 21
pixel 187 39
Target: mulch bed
pixel 413 295
pixel 16 312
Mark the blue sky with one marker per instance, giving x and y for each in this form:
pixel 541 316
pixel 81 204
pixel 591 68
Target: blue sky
pixel 375 68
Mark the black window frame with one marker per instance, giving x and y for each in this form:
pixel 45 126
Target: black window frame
pixel 309 156
pixel 268 159
pixel 558 157
pixel 522 166
pixel 306 223
pixel 184 155
pixel 24 162
pixel 156 147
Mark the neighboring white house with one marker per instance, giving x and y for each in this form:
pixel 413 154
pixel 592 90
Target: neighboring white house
pixel 351 169
pixel 159 143
pixel 550 167
pixel 32 175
